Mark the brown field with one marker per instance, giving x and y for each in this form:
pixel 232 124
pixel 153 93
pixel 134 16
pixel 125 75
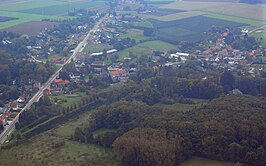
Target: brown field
pixel 31 28
pixel 189 5
pixel 241 10
pixel 179 16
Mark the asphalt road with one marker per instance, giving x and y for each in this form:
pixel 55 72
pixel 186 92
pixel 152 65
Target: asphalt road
pixel 11 127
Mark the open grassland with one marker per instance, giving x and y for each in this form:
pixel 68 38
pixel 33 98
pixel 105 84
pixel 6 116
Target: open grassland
pixel 135 34
pixel 54 148
pixel 204 162
pixel 145 49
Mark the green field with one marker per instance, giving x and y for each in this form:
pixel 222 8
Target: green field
pixel 62 8
pixel 146 48
pixel 54 148
pixel 204 162
pixel 235 19
pixel 37 10
pixel 65 101
pixel 135 34
pixel 96 47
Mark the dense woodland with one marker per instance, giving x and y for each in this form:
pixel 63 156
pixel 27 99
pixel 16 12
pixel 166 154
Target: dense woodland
pixel 229 128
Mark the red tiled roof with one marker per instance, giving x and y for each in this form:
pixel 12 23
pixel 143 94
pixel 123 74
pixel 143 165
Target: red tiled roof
pixel 118 72
pixel 60 81
pixel 14 105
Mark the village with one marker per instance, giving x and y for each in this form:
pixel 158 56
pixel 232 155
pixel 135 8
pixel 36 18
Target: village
pixel 106 64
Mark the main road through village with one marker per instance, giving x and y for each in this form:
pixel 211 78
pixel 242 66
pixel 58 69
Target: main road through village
pixel 11 127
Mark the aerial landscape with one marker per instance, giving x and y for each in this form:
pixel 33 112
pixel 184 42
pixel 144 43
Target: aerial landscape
pixel 133 82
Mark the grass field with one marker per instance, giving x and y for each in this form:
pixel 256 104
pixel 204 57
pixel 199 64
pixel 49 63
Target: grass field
pixel 96 47
pixel 55 148
pixel 179 16
pixel 136 34
pixel 146 48
pixel 204 162
pixel 65 101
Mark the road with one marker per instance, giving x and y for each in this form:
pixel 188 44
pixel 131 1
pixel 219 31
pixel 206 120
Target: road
pixel 261 27
pixel 9 129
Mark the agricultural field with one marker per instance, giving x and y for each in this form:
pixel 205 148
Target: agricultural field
pixel 32 28
pixel 179 16
pixel 254 12
pixel 184 29
pixel 62 8
pixel 163 12
pixel 37 10
pixel 189 6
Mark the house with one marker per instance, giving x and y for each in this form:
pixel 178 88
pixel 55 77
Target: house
pixel 118 75
pixel 21 99
pixel 59 60
pixel 14 105
pixel 2 120
pixel 47 91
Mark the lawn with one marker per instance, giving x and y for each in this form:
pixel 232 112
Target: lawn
pixel 65 101
pixel 96 47
pixel 135 34
pixel 146 48
pixel 157 45
pixel 204 162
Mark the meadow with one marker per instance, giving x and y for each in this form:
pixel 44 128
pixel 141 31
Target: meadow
pixel 54 147
pixel 146 48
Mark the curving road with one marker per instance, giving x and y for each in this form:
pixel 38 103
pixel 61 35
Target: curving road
pixel 11 127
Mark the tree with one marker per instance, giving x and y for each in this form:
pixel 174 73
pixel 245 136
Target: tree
pixel 227 80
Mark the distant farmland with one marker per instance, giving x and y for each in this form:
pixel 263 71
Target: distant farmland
pixel 37 10
pixel 63 8
pixel 185 29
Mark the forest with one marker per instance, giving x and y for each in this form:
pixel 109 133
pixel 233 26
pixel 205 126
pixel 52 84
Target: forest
pixel 230 127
